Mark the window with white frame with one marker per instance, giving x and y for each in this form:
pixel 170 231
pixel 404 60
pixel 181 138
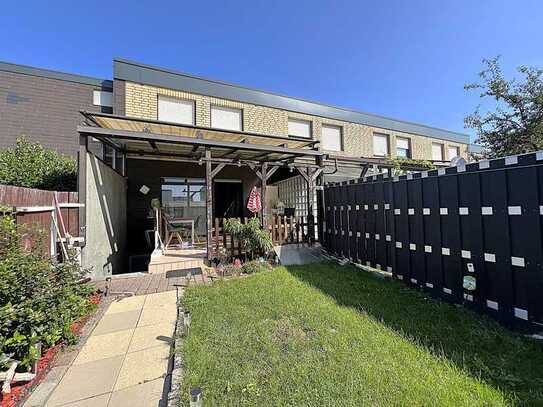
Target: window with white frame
pixel 331 138
pixel 454 151
pixel 403 148
pixel 299 128
pixel 380 145
pixel 437 152
pixel 175 110
pixel 102 98
pixel 227 118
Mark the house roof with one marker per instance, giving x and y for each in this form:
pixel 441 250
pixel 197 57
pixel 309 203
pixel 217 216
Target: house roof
pixel 47 73
pixel 165 78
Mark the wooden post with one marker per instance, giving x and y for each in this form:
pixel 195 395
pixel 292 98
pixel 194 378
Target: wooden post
pixel 209 203
pixel 217 236
pixel 279 230
pixel 263 182
pixel 273 229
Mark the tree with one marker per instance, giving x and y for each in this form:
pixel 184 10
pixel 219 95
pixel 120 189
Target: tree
pixel 516 124
pixel 30 165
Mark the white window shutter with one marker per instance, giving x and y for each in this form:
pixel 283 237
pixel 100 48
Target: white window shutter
pixel 331 138
pixel 437 152
pixel 299 128
pixel 175 110
pixel 380 145
pixel 453 152
pixel 226 118
pixel 402 143
pixel 102 98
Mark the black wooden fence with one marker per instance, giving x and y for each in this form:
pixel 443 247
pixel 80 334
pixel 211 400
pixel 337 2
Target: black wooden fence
pixel 470 234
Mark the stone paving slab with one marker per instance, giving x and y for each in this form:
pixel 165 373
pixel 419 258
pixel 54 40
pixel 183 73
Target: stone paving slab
pixel 142 366
pixel 104 346
pixel 125 360
pixel 86 380
pixel 126 304
pixel 141 395
pixel 151 335
pixel 118 321
pixel 98 401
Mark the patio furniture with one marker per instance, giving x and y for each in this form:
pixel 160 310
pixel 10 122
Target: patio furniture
pixel 181 225
pixel 173 230
pixel 194 227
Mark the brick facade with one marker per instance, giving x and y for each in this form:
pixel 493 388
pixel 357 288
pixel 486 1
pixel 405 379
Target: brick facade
pixel 142 100
pixel 43 109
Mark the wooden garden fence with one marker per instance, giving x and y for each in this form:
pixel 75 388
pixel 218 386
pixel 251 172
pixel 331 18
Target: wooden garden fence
pixel 283 230
pixel 36 208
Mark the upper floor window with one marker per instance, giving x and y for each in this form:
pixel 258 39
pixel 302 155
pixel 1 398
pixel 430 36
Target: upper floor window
pixel 175 110
pixel 437 152
pixel 454 151
pixel 227 118
pixel 402 147
pixel 331 138
pixel 102 98
pixel 299 128
pixel 380 145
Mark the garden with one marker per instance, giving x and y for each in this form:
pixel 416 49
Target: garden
pixel 325 334
pixel 43 303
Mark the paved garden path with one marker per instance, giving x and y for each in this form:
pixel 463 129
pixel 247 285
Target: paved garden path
pixel 124 362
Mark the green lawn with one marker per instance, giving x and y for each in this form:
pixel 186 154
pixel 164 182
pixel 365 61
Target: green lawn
pixel 325 335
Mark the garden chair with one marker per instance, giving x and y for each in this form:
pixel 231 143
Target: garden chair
pixel 172 231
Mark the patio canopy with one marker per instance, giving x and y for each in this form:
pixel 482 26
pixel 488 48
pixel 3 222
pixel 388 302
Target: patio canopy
pixel 140 137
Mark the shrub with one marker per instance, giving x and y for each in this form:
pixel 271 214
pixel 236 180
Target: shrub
pixel 254 266
pixel 401 165
pixel 250 235
pixel 39 299
pixel 29 165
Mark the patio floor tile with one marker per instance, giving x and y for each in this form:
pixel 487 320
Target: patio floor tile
pixel 117 322
pixel 98 401
pixel 86 380
pixel 151 335
pixel 104 346
pixel 143 366
pixel 126 304
pixel 148 394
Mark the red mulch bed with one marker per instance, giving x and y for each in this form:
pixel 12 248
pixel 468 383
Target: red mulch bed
pixel 21 390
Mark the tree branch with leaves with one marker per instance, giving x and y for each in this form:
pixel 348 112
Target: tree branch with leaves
pixel 516 124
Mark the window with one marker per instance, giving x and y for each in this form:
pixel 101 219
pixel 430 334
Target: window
pixel 226 118
pixel 102 98
pixel 437 152
pixel 179 194
pixel 331 138
pixel 380 145
pixel 402 148
pixel 454 151
pixel 113 158
pixel 299 128
pixel 175 110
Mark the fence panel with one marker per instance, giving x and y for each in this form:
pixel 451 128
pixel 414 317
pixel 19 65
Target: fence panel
pixel 34 207
pixel 469 234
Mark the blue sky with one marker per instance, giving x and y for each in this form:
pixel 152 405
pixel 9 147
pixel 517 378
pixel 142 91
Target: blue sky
pixel 403 59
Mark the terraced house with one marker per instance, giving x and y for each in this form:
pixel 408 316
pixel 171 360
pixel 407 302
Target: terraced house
pixel 165 156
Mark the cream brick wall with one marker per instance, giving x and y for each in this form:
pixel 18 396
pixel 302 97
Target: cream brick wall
pixel 142 100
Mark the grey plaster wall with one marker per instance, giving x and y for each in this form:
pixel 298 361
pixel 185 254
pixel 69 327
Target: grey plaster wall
pixel 106 236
